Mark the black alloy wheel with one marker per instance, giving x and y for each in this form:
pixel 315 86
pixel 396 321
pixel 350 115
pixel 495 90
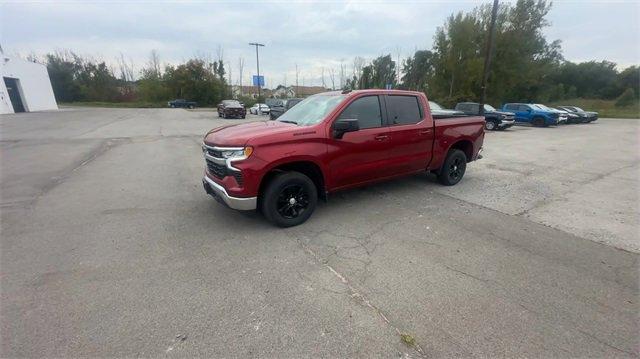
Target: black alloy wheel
pixel 289 199
pixel 292 201
pixel 453 168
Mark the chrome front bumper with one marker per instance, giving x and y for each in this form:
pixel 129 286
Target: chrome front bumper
pixel 219 193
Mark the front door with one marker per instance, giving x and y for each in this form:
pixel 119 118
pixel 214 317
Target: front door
pixel 14 94
pixel 360 156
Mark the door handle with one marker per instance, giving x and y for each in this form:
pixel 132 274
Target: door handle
pixel 381 137
pixel 425 131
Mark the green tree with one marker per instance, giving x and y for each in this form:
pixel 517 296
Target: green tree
pixel 630 78
pixel 418 71
pixel 627 98
pixel 62 72
pixel 196 81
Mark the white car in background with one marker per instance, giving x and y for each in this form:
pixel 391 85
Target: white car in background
pixel 263 108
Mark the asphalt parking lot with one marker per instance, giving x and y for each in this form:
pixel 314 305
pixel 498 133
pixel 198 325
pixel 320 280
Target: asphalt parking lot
pixel 111 248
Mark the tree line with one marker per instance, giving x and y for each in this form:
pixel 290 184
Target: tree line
pixel 525 68
pixel 75 78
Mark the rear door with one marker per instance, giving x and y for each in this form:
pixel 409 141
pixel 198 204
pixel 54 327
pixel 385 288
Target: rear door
pixel 360 156
pixel 410 134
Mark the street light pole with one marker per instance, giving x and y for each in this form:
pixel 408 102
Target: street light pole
pixel 257 65
pixel 487 58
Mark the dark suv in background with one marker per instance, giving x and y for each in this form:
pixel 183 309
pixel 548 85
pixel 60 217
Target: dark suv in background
pixel 495 120
pixel 281 107
pixel 231 109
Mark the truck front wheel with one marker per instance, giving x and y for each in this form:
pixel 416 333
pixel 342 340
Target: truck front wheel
pixel 453 168
pixel 539 122
pixel 289 199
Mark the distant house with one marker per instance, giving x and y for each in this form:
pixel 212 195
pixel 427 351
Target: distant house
pixel 25 86
pixel 297 91
pixel 250 91
pixel 279 92
pixel 304 91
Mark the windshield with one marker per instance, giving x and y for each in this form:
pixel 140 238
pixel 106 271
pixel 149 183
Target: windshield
pixel 543 107
pixel 434 106
pixel 489 108
pixel 311 110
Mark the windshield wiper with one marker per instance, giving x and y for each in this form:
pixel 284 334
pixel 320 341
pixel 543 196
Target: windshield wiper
pixel 286 121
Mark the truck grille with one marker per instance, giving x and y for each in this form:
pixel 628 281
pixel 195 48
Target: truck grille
pixel 221 171
pixel 217 170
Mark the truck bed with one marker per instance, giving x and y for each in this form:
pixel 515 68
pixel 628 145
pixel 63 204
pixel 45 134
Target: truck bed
pixel 450 130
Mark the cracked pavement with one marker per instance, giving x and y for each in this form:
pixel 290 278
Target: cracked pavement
pixel 111 248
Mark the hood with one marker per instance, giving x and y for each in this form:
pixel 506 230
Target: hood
pixel 591 113
pixel 503 113
pixel 240 134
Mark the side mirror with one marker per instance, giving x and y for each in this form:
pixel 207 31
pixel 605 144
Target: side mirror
pixel 340 127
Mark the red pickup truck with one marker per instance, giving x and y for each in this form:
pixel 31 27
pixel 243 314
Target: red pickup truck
pixel 333 141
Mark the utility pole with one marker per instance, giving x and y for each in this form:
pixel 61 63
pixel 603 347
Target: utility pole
pixel 258 66
pixel 487 58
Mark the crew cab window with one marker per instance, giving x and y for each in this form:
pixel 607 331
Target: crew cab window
pixel 523 108
pixel 366 110
pixel 403 110
pixel 511 107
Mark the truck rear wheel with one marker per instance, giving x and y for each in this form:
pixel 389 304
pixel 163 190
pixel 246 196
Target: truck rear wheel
pixel 289 199
pixel 453 168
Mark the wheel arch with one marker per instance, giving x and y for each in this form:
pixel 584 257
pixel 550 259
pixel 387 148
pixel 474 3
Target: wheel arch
pixel 465 145
pixel 307 167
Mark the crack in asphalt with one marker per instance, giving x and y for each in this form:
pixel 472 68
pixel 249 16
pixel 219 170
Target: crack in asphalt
pixel 104 147
pixel 353 292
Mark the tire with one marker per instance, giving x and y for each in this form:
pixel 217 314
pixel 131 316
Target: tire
pixel 538 122
pixel 453 168
pixel 289 199
pixel 224 114
pixel 172 106
pixel 219 115
pixel 243 117
pixel 490 125
pixel 191 107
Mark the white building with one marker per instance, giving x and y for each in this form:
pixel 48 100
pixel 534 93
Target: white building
pixel 25 86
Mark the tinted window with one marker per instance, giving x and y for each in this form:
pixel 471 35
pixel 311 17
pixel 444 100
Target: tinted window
pixel 403 110
pixel 366 110
pixel 511 107
pixel 523 108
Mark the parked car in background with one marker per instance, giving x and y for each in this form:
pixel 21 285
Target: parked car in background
pixel 571 117
pixel 585 116
pixel 530 113
pixel 495 120
pixel 231 109
pixel 181 103
pixel 439 111
pixel 282 107
pixel 562 115
pixel 330 142
pixel 263 108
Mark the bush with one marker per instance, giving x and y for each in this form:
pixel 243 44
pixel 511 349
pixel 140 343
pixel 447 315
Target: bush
pixel 627 98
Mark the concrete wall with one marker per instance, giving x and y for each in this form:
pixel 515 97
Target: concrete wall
pixel 35 86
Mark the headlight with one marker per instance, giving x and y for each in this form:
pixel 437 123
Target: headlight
pixel 237 153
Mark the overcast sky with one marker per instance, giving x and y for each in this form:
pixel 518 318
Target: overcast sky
pixel 312 35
